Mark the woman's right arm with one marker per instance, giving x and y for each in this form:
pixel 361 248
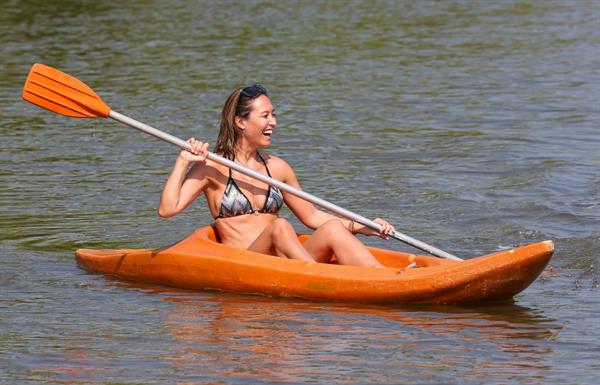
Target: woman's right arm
pixel 183 186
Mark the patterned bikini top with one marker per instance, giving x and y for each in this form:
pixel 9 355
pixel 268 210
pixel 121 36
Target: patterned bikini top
pixel 234 202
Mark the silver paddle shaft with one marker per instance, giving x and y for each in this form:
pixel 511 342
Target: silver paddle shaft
pixel 282 186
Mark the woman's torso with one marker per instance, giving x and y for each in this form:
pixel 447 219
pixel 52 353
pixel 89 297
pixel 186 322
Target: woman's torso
pixel 249 206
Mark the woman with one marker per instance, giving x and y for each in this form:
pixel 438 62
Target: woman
pixel 245 209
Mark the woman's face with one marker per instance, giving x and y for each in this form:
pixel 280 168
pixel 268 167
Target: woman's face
pixel 258 127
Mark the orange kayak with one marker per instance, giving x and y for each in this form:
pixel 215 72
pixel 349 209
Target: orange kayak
pixel 199 262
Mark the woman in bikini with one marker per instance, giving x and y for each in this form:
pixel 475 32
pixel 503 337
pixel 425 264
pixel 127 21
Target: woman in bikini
pixel 245 209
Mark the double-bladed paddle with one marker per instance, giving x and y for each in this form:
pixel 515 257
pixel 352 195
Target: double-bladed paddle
pixel 63 94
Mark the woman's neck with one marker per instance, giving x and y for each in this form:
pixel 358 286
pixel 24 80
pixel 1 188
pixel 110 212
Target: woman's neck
pixel 245 155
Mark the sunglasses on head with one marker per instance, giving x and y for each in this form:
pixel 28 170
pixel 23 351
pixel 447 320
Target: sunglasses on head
pixel 254 91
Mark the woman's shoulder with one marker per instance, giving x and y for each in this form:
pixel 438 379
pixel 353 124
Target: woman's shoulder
pixel 275 162
pixel 209 169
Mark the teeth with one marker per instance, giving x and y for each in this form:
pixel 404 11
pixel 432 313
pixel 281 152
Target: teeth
pixel 268 132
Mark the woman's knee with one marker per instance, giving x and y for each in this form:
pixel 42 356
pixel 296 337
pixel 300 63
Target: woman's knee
pixel 282 228
pixel 285 241
pixel 333 227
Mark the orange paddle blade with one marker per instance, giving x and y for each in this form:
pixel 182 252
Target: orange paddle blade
pixel 58 92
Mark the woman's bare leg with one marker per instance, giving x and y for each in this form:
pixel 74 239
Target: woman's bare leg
pixel 280 239
pixel 333 238
pixel 330 238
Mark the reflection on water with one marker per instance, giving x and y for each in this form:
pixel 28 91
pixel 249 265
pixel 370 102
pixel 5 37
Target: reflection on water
pixel 246 339
pixel 283 341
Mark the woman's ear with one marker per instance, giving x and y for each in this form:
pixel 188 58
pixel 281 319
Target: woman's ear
pixel 240 123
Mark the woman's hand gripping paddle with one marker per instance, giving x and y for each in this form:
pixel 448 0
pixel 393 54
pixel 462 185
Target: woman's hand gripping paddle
pixel 63 94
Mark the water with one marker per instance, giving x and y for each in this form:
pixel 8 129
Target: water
pixel 471 126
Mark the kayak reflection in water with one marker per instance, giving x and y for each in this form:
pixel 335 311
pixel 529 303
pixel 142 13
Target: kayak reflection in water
pixel 245 209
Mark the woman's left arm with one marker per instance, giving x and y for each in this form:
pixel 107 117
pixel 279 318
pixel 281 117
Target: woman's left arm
pixel 312 217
